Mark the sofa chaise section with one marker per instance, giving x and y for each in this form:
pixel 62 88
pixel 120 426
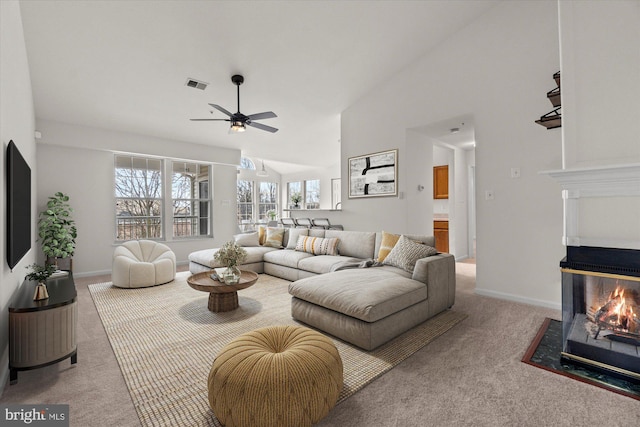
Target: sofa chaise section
pixel 369 307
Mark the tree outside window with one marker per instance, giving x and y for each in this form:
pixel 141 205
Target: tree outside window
pixel 268 199
pixel 245 201
pixel 139 201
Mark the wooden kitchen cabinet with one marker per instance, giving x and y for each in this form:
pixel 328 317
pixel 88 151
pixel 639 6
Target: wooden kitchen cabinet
pixel 441 182
pixel 441 233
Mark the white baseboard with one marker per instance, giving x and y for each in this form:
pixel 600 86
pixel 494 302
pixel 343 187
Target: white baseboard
pixel 103 272
pixel 516 298
pixel 92 273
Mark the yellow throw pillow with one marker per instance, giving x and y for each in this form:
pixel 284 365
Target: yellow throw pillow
pixel 388 242
pixel 262 234
pixel 274 237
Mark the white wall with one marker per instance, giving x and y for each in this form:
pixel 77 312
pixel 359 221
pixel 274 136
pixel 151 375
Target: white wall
pixel 419 171
pixel 498 69
pixel 78 161
pixel 600 82
pixel 17 124
pixel 600 65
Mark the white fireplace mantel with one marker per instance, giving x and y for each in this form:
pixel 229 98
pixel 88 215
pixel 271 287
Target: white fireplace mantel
pixel 600 181
pixel 595 182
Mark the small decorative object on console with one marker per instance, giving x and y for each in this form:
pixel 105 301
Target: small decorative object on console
pixel 40 274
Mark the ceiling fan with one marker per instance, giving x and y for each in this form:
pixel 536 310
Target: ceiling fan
pixel 239 120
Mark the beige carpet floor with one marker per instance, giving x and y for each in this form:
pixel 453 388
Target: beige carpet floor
pixel 470 376
pixel 165 340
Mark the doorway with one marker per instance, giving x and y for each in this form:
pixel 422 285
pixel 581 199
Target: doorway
pixel 453 144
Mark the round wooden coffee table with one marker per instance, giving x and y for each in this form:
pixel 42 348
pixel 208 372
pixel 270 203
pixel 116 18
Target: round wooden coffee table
pixel 222 297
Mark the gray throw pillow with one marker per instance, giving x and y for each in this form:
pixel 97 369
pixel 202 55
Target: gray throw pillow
pixel 406 252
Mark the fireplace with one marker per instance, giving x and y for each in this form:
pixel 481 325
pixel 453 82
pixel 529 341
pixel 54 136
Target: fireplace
pixel 601 309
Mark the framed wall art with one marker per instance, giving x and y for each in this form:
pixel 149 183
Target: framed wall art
pixel 374 175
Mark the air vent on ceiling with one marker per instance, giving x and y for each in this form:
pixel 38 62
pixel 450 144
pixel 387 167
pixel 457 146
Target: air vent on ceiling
pixel 196 84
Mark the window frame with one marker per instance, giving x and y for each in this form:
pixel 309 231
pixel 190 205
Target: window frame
pixel 164 189
pixel 310 193
pixel 304 193
pixel 196 203
pixel 256 216
pixel 290 204
pixel 272 205
pixel 242 215
pixel 120 199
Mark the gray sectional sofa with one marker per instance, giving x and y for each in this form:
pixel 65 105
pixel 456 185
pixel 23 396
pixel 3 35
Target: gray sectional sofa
pixel 334 293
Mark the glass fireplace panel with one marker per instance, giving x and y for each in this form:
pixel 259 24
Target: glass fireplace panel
pixel 601 320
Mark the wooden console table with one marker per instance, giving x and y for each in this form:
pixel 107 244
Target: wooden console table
pixel 43 332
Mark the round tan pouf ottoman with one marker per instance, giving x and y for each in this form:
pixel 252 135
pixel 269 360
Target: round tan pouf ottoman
pixel 276 376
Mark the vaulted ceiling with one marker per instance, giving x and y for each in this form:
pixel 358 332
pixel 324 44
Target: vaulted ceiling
pixel 123 65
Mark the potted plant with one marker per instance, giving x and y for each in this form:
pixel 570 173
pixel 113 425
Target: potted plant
pixel 272 214
pixel 296 198
pixel 57 230
pixel 231 255
pixel 40 274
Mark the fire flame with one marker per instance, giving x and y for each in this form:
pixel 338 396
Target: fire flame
pixel 618 312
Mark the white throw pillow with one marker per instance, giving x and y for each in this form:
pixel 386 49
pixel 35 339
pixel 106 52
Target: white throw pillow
pixel 406 252
pixel 247 239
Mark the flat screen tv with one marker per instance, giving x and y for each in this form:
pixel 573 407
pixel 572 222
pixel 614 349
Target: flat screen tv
pixel 18 205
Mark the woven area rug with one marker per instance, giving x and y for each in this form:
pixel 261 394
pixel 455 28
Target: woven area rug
pixel 165 340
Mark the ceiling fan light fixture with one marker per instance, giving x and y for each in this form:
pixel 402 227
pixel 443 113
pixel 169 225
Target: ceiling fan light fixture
pixel 262 172
pixel 237 126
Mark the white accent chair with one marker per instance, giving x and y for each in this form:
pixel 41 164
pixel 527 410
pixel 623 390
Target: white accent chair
pixel 142 263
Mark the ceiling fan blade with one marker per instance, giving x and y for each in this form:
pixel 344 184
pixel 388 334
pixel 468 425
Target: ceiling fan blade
pixel 222 110
pixel 262 127
pixel 210 120
pixel 260 116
